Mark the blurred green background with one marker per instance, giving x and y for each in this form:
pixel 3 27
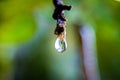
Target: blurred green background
pixel 27 40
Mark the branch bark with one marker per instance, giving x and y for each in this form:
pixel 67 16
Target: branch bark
pixel 59 15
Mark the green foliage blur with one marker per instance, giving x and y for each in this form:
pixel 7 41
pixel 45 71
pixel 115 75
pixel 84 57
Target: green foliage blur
pixel 27 39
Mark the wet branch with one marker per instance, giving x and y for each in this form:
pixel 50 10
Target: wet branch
pixel 59 15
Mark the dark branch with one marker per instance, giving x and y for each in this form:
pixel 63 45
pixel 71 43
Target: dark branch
pixel 59 10
pixel 59 15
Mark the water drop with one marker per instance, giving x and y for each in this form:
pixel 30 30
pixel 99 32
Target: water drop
pixel 60 44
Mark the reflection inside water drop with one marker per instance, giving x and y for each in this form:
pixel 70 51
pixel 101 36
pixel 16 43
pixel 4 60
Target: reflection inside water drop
pixel 60 44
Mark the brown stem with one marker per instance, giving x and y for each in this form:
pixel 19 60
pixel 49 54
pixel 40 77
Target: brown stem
pixel 59 10
pixel 59 15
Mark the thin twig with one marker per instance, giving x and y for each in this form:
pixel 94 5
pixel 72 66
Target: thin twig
pixel 59 15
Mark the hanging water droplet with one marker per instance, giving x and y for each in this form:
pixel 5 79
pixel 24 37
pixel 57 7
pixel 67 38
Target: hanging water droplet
pixel 60 44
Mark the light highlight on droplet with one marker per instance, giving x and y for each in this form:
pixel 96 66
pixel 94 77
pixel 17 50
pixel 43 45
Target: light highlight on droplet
pixel 60 44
